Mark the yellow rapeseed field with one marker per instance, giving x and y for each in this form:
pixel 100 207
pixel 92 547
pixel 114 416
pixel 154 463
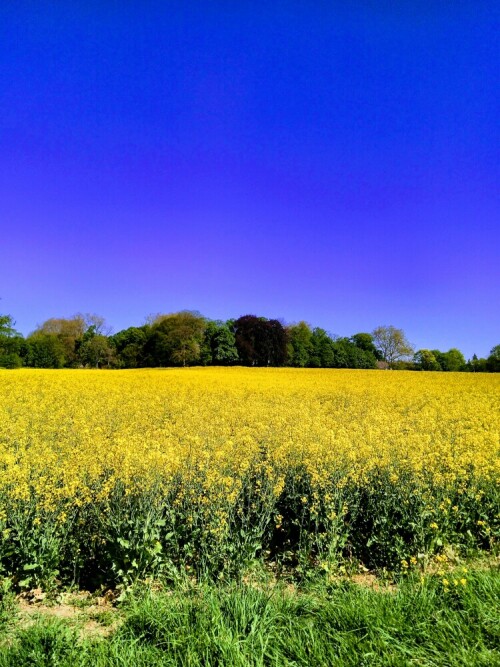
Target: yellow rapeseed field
pixel 224 448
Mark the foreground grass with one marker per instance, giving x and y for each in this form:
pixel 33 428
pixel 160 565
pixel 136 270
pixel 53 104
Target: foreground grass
pixel 339 624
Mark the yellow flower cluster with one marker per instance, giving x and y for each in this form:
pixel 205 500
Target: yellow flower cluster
pixel 70 438
pixel 61 432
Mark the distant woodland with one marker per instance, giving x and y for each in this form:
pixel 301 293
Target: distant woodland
pixel 186 338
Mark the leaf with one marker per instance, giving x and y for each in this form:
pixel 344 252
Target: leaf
pixel 30 566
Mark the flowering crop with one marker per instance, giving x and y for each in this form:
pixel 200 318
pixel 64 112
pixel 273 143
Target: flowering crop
pixel 106 476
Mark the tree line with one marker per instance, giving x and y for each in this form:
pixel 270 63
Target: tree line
pixel 187 338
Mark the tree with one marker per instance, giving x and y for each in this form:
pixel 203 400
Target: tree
pixel 453 360
pixel 94 349
pixel 224 350
pixel 364 341
pixel 129 346
pixel 97 323
pixel 276 343
pixel 341 357
pixel 349 355
pixel 175 339
pixel 300 344
pixel 45 351
pixel 493 361
pixel 323 351
pixel 10 343
pixel 219 345
pixel 246 330
pixel 476 365
pixel 7 325
pixel 68 331
pixel 391 343
pixel 425 360
pixel 259 341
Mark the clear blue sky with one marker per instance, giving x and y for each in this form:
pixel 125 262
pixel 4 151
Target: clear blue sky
pixel 333 162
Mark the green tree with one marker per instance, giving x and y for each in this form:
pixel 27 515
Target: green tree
pixel 221 343
pixel 349 355
pixel 10 343
pixel 453 360
pixel 364 341
pixel 425 360
pixel 341 356
pixel 323 353
pixel 129 346
pixel 493 361
pixel 391 343
pixel 300 345
pixel 476 365
pixel 68 331
pixel 94 349
pixel 7 325
pixel 45 351
pixel 175 339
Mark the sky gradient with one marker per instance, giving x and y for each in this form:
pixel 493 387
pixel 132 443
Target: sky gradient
pixel 299 160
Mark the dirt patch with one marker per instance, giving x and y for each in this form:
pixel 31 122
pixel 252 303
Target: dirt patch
pixel 369 580
pixel 89 616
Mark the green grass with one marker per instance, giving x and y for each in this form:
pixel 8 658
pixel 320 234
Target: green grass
pixel 339 624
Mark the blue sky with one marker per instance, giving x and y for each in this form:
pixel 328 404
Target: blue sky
pixel 333 162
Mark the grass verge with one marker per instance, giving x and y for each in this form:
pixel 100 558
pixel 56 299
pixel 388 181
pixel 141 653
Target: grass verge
pixel 422 622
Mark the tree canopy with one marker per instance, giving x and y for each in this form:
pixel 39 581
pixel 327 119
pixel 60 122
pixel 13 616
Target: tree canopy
pixel 259 341
pixel 391 343
pixel 187 338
